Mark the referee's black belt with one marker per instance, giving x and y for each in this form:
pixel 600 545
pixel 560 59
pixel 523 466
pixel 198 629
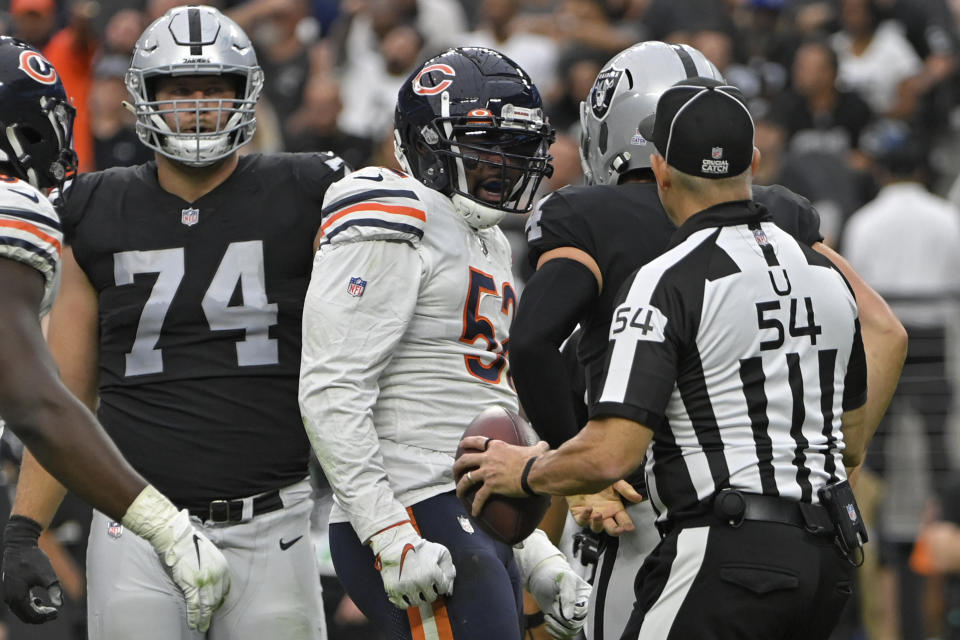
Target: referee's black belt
pixel 239 509
pixel 732 508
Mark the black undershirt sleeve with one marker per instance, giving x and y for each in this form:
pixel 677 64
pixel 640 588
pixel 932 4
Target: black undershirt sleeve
pixel 553 301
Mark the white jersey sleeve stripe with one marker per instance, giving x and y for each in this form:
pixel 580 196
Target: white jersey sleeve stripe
pixel 45 221
pixel 375 214
pixel 28 234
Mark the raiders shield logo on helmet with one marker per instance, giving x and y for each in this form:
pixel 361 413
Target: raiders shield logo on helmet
pixel 602 91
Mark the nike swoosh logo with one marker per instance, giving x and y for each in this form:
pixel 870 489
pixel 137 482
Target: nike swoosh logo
pixel 196 545
pixel 407 547
pixel 286 545
pixel 379 178
pixel 29 196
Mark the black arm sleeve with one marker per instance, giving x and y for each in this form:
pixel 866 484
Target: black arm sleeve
pixel 553 301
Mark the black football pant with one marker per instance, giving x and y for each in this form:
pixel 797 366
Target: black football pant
pixel 760 581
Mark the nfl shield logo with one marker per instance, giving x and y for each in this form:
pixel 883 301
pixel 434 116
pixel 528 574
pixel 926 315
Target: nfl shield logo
pixel 114 529
pixel 190 216
pixel 465 524
pixel 356 286
pixel 716 153
pixel 760 237
pixel 851 513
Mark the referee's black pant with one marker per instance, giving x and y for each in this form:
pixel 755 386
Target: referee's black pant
pixel 761 580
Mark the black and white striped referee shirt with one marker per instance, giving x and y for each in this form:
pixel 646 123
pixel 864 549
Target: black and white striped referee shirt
pixel 740 348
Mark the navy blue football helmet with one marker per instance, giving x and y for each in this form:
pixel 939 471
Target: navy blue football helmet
pixel 471 109
pixel 36 117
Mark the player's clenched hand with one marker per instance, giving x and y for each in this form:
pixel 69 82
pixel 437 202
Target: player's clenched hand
pixel 30 585
pixel 562 595
pixel 496 470
pixel 604 511
pixel 193 562
pixel 197 567
pixel 414 571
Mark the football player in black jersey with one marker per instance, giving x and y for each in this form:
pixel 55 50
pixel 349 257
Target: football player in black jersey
pixel 36 156
pixel 180 315
pixel 584 242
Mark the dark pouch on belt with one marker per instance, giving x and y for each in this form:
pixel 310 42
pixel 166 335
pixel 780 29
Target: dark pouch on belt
pixel 840 503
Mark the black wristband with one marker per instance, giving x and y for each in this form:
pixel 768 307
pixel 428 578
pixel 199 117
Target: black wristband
pixel 524 484
pixel 21 531
pixel 531 620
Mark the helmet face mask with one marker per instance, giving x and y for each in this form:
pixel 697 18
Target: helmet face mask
pixel 36 118
pixel 194 41
pixel 470 124
pixel 625 94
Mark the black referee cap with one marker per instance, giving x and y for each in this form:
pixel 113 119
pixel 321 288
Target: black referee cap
pixel 703 128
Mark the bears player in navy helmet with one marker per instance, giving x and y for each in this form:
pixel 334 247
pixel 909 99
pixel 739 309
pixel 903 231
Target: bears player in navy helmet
pixel 35 157
pixel 405 341
pixel 179 321
pixel 584 243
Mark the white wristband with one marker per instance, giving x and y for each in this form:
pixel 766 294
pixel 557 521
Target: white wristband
pixel 149 513
pixel 535 549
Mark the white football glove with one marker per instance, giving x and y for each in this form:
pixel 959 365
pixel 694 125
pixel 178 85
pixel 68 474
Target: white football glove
pixel 561 594
pixel 414 571
pixel 193 562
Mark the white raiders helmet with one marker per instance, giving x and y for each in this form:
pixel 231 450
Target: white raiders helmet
pixel 624 94
pixel 194 40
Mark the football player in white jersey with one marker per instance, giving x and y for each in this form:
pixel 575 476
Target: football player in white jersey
pixel 36 127
pixel 405 342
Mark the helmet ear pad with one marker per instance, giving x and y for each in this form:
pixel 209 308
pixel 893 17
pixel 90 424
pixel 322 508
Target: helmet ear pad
pixel 434 168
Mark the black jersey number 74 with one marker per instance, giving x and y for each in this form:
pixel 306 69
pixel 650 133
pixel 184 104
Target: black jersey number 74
pixel 242 263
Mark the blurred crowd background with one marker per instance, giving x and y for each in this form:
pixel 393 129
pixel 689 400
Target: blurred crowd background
pixel 857 105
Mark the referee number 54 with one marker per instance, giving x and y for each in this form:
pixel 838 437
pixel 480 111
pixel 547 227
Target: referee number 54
pixel 801 322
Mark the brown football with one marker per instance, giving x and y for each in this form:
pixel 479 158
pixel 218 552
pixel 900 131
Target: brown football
pixel 508 520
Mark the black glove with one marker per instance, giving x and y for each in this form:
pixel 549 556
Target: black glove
pixel 30 585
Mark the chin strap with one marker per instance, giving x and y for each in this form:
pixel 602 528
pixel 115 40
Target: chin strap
pixel 477 215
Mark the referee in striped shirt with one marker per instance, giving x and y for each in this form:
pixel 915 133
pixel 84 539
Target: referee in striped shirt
pixel 736 366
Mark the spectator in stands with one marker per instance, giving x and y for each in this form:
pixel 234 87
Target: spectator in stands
pixel 874 57
pixel 313 127
pixel 904 244
pixel 586 23
pixel 33 20
pixel 369 93
pixel 115 142
pixel 72 51
pixel 122 31
pixel 282 31
pixel 816 115
pixel 499 29
pixel 577 68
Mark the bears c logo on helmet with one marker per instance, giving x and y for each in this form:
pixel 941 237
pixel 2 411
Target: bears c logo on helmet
pixel 37 67
pixel 444 69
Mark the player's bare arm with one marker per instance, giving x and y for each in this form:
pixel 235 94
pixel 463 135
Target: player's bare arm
pixel 72 336
pixel 884 343
pixel 604 451
pixel 36 404
pixel 856 436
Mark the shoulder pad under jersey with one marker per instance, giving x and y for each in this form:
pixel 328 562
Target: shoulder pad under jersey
pixel 30 229
pixel 373 203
